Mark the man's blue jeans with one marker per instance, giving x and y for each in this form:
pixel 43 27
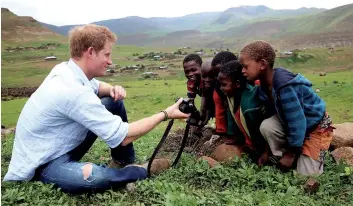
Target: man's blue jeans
pixel 67 173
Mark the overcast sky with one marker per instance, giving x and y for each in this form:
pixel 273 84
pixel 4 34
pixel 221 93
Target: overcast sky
pixel 65 12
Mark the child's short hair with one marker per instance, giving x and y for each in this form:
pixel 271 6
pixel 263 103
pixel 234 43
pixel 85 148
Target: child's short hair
pixel 223 57
pixel 233 70
pixel 258 50
pixel 193 57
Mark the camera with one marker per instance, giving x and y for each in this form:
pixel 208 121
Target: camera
pixel 187 106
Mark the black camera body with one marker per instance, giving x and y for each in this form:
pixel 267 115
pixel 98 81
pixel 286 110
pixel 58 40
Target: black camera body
pixel 187 106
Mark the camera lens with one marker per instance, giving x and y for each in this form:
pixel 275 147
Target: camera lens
pixel 183 107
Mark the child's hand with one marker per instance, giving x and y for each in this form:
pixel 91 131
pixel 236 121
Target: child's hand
pixel 230 140
pixel 203 121
pixel 213 138
pixel 263 159
pixel 286 162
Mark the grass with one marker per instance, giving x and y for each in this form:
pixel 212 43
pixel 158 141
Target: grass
pixel 192 182
pixel 318 60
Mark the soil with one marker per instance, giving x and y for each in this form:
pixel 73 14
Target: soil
pixel 195 144
pixel 18 92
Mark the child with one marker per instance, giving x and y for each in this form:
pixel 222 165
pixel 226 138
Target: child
pixel 222 115
pixel 245 108
pixel 192 69
pixel 207 104
pixel 297 128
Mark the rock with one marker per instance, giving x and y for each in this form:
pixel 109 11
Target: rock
pixel 211 162
pixel 322 74
pixel 226 153
pixel 160 165
pixel 345 153
pixel 311 185
pixel 188 149
pixel 5 132
pixel 342 135
pixel 130 187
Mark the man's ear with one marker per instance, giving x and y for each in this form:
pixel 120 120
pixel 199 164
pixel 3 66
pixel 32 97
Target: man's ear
pixel 90 51
pixel 264 64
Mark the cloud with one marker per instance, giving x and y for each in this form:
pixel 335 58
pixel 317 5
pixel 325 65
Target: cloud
pixel 66 12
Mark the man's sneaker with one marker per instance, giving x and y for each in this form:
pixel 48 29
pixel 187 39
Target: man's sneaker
pixel 115 164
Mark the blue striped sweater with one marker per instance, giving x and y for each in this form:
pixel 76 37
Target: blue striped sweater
pixel 298 106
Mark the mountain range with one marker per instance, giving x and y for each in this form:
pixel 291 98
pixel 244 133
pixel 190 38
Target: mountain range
pixel 230 28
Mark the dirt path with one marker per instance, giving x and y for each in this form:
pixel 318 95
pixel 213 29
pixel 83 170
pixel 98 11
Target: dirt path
pixel 18 92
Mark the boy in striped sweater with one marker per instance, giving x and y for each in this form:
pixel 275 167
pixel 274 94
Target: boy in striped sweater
pixel 297 129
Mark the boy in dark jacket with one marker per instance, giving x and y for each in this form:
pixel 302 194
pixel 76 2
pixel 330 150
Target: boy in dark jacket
pixel 297 129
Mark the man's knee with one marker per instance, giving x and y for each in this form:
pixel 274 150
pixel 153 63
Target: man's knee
pixel 115 107
pixel 109 102
pixel 87 171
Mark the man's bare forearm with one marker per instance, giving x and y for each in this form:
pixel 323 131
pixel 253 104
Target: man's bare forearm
pixel 104 89
pixel 141 127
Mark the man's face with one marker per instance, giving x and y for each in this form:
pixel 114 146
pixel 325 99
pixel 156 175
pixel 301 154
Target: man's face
pixel 227 86
pixel 251 68
pixel 192 71
pixel 99 61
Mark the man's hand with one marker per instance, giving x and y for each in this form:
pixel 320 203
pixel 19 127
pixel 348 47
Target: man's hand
pixel 174 112
pixel 286 162
pixel 117 93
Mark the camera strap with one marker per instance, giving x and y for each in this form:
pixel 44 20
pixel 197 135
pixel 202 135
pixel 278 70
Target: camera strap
pixel 161 142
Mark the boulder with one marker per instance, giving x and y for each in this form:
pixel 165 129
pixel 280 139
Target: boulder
pixel 322 74
pixel 345 153
pixel 342 135
pixel 311 185
pixel 159 165
pixel 226 153
pixel 130 187
pixel 211 162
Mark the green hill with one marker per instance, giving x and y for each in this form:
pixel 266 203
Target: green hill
pixel 19 30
